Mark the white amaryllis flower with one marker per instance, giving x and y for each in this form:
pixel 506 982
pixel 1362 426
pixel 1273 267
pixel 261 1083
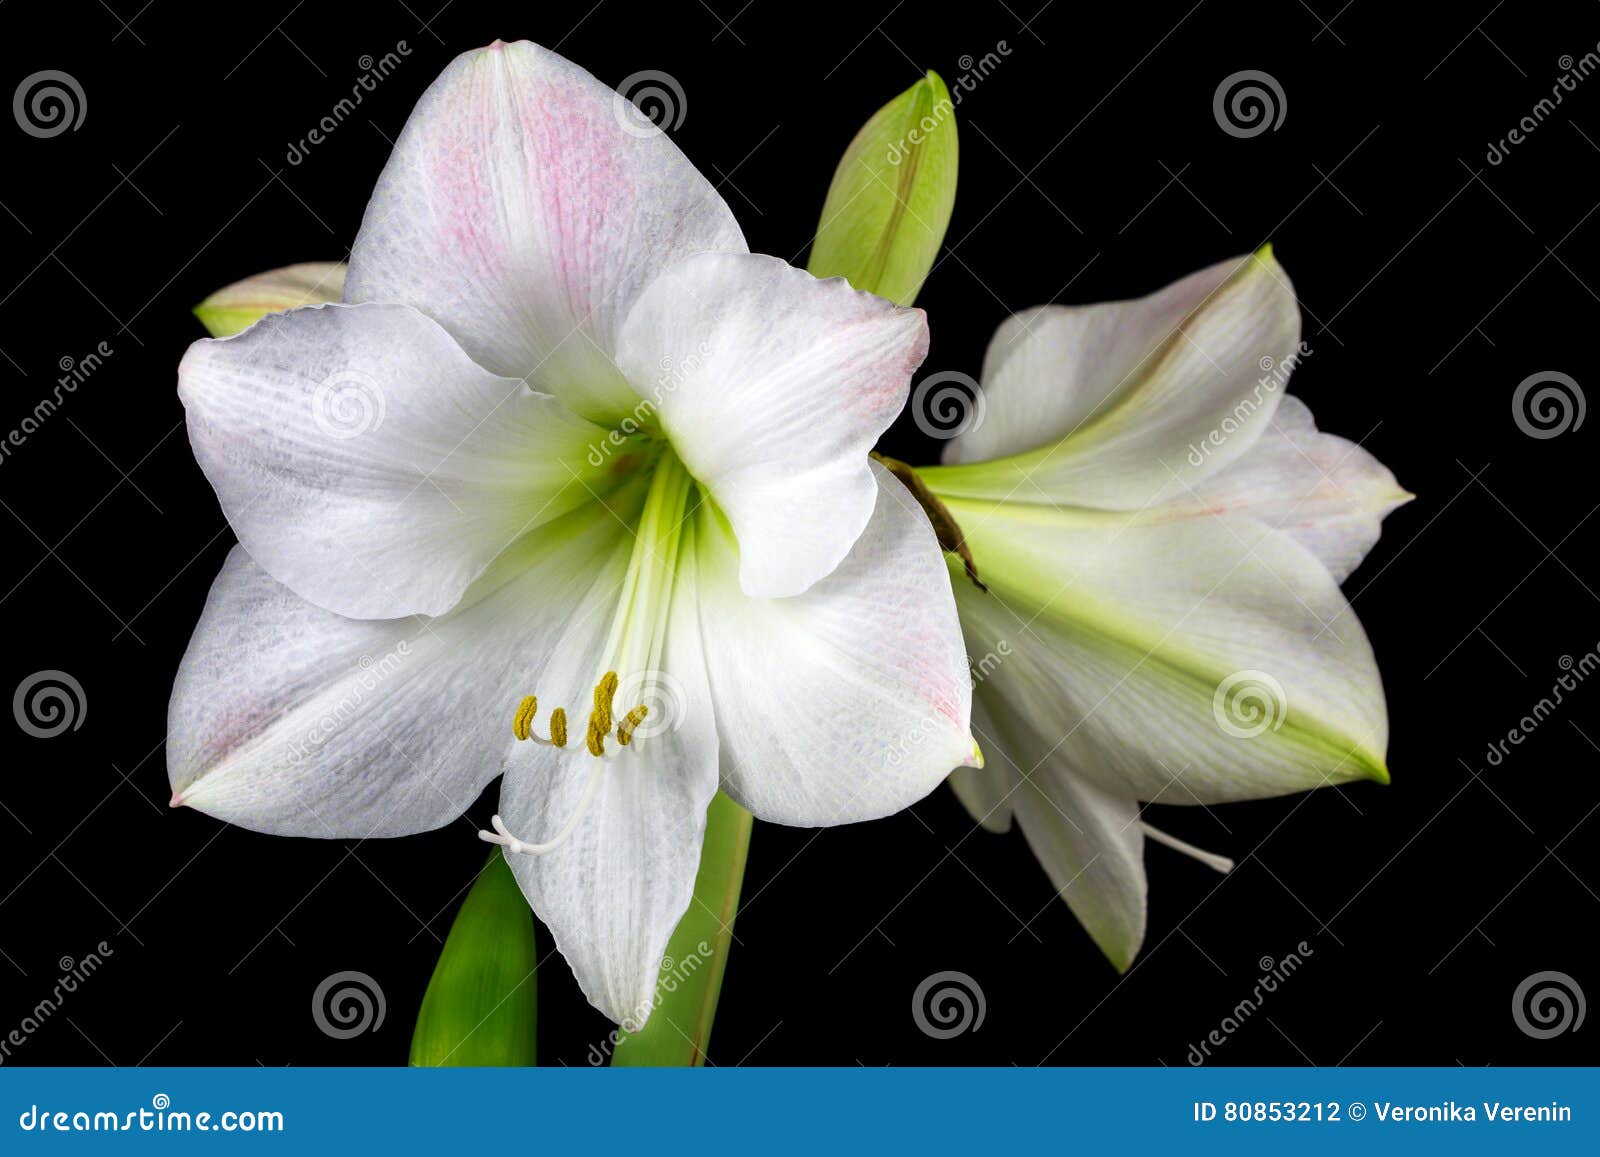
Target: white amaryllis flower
pixel 573 487
pixel 1163 535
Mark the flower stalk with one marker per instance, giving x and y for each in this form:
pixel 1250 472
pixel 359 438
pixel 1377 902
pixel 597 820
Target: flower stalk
pixel 480 1007
pixel 679 1029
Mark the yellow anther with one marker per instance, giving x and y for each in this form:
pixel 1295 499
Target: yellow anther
pixel 630 723
pixel 604 691
pixel 600 719
pixel 523 719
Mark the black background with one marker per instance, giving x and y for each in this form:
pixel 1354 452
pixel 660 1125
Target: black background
pixel 1092 168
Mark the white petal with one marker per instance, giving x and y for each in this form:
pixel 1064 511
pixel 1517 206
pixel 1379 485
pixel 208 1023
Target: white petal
pixel 1326 492
pixel 1091 845
pixel 1089 840
pixel 615 890
pixel 1123 405
pixel 1050 369
pixel 367 463
pixel 773 386
pixel 524 207
pixel 289 719
pixel 848 702
pixel 1202 660
pixel 986 792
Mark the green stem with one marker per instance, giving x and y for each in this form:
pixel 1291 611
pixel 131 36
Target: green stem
pixel 679 1029
pixel 481 1004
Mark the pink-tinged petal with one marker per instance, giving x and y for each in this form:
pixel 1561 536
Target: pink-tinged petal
pixel 851 701
pixel 289 719
pixel 1326 492
pixel 773 386
pixel 524 206
pixel 367 463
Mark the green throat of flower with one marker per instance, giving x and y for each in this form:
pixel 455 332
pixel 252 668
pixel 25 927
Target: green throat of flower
pixel 662 538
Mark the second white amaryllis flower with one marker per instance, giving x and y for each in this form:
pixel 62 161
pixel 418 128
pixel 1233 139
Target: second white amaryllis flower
pixel 575 488
pixel 1163 534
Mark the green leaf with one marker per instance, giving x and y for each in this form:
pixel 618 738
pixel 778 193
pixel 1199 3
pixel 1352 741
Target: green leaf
pixel 679 1029
pixel 891 197
pixel 238 306
pixel 480 1008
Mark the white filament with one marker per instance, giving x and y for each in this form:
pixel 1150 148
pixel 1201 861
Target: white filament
pixel 1209 859
pixel 512 844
